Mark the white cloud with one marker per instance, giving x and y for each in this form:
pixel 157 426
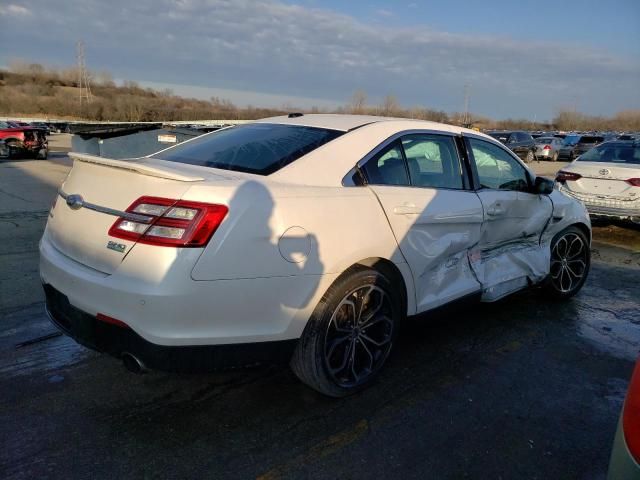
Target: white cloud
pixel 289 50
pixel 384 13
pixel 14 10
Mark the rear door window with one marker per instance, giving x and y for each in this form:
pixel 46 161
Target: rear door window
pixel 260 148
pixel 432 161
pixel 387 167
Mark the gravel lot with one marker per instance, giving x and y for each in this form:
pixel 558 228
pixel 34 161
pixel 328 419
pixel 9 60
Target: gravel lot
pixel 522 388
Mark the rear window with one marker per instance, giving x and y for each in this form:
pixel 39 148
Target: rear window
pixel 571 140
pixel 591 139
pixel 544 139
pixel 501 137
pixel 612 153
pixel 260 148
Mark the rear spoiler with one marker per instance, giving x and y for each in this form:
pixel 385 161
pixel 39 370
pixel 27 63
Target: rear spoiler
pixel 135 166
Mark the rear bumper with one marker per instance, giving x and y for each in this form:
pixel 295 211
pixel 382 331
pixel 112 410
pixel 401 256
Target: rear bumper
pixel 608 208
pixel 164 306
pixel 115 340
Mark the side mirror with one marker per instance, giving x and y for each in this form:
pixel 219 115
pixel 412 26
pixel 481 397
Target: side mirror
pixel 543 186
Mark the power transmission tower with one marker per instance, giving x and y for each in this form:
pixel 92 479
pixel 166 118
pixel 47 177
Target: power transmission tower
pixel 466 119
pixel 83 75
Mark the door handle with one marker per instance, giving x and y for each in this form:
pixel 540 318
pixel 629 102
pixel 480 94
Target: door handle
pixel 407 209
pixel 496 210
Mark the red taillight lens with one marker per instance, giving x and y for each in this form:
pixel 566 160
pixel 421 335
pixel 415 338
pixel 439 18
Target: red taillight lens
pixel 547 147
pixel 113 321
pixel 563 176
pixel 634 181
pixel 631 415
pixel 170 223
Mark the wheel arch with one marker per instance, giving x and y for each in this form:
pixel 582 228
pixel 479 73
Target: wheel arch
pixel 584 229
pixel 395 275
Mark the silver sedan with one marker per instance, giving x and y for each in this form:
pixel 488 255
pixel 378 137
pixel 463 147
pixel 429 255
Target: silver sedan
pixel 548 148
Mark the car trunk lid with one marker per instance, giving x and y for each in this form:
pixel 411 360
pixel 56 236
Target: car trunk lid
pixel 96 191
pixel 604 179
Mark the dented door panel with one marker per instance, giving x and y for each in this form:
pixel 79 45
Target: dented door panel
pixel 510 254
pixel 435 230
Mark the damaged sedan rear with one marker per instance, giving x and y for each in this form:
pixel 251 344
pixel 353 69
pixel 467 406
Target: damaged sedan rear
pixel 306 237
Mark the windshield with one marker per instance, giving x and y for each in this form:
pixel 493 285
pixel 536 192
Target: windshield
pixel 612 153
pixel 260 148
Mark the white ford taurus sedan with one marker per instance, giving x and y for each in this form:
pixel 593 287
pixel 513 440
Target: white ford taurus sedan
pixel 307 238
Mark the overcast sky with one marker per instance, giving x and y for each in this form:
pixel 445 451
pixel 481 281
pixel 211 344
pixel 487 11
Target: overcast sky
pixel 519 61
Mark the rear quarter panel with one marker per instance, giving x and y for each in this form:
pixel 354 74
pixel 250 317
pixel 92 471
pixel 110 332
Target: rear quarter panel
pixel 279 230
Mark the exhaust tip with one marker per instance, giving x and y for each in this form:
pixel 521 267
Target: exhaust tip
pixel 133 363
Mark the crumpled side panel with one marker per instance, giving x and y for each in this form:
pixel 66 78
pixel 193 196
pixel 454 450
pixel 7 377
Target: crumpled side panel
pixel 510 267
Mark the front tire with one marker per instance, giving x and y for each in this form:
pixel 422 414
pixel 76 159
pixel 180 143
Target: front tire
pixel 350 334
pixel 14 149
pixel 570 263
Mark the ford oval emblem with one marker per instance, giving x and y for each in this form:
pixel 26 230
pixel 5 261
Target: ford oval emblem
pixel 75 202
pixel 604 171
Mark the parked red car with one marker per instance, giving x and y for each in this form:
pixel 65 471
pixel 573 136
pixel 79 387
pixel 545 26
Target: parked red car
pixel 24 141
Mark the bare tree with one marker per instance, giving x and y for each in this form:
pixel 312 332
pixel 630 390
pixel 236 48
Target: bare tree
pixel 358 102
pixel 390 106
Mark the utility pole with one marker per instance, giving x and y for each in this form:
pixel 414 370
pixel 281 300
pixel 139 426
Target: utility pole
pixel 83 75
pixel 466 119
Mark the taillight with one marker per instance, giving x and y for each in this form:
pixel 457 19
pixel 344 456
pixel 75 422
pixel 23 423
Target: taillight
pixel 634 181
pixel 547 147
pixel 563 176
pixel 113 321
pixel 631 415
pixel 169 223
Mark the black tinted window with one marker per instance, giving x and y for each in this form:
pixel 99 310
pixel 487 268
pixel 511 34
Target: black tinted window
pixel 387 167
pixel 261 148
pixel 591 139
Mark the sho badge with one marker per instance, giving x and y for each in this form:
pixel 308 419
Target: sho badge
pixel 118 247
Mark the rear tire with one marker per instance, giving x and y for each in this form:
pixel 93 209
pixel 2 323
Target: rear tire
pixel 570 263
pixel 530 157
pixel 350 334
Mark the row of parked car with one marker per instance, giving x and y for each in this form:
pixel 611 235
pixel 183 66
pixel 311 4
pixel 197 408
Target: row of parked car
pixel 22 139
pixel 554 146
